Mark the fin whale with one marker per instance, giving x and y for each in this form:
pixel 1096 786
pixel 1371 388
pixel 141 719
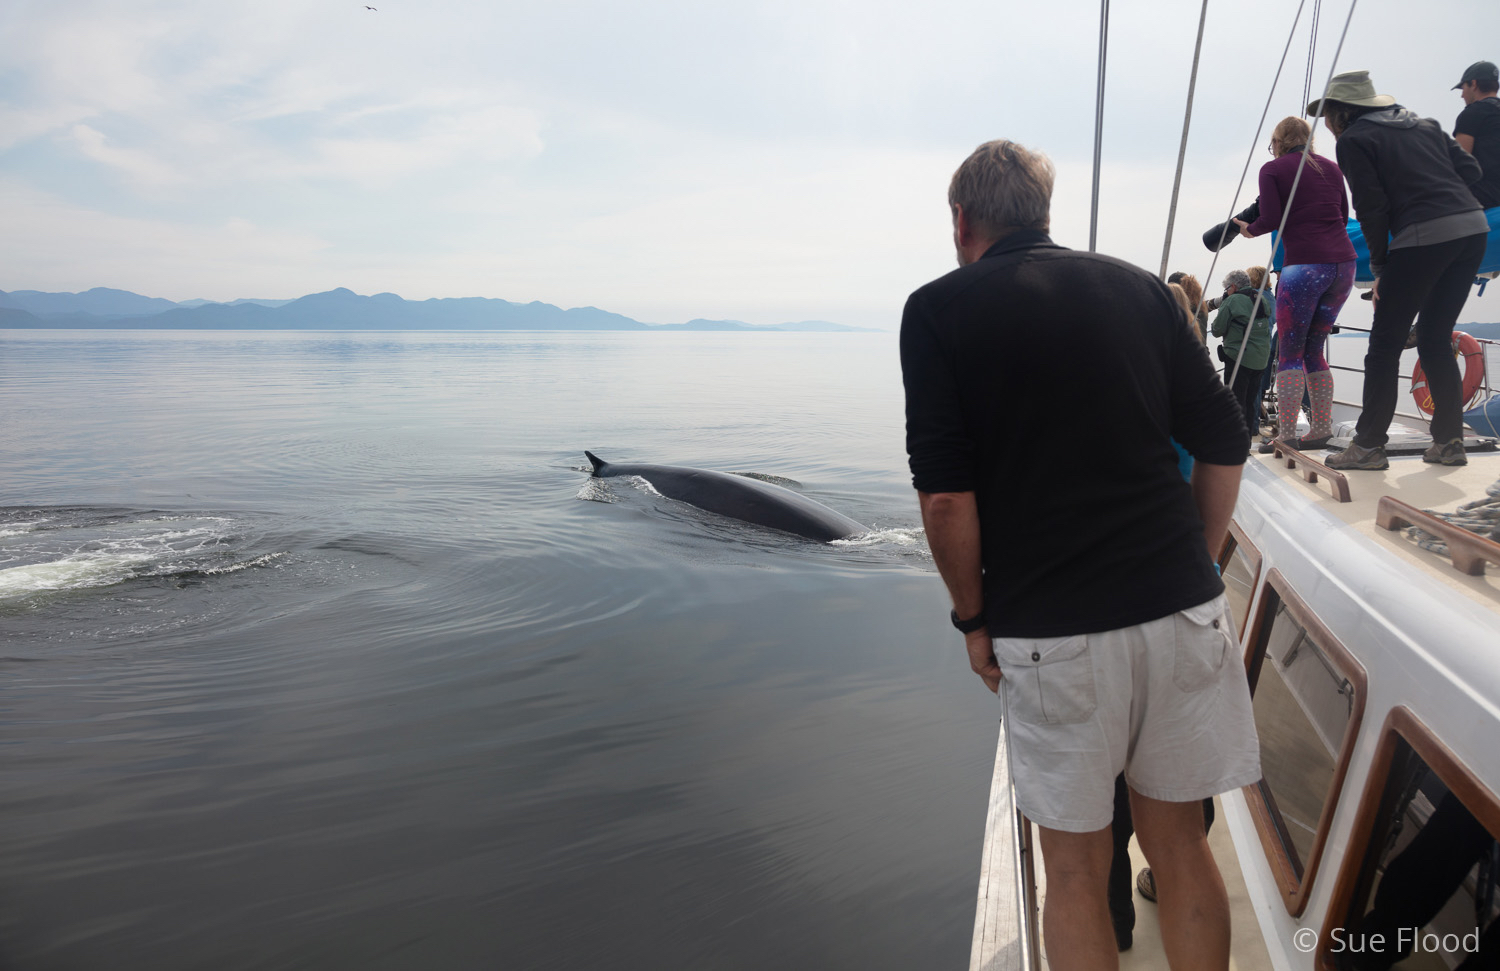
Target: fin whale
pixel 739 497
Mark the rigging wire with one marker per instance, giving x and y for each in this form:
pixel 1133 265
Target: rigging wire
pixel 1234 204
pixel 1286 209
pixel 1099 124
pixel 1166 246
pixel 1312 50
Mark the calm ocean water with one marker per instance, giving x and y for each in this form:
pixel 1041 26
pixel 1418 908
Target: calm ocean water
pixel 322 650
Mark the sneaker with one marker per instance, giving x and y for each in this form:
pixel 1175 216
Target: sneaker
pixel 1309 444
pixel 1145 884
pixel 1449 453
pixel 1269 444
pixel 1360 458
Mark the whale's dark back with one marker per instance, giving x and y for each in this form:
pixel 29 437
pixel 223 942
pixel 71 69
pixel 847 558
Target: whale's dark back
pixel 739 497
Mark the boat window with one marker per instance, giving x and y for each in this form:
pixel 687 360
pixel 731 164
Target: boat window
pixel 1419 883
pixel 1239 565
pixel 1308 696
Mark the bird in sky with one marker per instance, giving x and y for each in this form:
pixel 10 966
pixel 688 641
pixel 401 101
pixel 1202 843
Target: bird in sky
pixel 368 7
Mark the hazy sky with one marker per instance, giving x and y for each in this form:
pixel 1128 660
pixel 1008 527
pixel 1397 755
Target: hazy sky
pixel 764 160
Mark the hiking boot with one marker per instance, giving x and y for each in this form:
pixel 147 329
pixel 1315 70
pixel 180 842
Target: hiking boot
pixel 1450 452
pixel 1359 457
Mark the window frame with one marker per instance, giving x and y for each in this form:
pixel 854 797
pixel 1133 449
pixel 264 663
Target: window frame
pixel 1236 539
pixel 1356 876
pixel 1269 827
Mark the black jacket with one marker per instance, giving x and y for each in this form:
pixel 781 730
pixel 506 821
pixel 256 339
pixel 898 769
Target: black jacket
pixel 1021 371
pixel 1403 169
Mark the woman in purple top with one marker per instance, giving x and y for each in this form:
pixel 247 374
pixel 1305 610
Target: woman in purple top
pixel 1316 280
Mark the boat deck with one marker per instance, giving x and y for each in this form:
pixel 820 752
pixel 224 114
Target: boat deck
pixel 1415 483
pixel 1001 939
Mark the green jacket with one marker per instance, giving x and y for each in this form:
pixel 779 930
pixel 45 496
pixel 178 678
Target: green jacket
pixel 1230 324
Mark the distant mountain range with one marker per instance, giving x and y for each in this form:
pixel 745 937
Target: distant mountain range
pixel 339 309
pixel 1487 331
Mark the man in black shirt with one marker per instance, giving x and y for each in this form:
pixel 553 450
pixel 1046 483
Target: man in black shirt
pixel 1477 130
pixel 1044 389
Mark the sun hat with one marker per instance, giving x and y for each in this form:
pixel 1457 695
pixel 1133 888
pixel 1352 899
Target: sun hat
pixel 1354 88
pixel 1480 71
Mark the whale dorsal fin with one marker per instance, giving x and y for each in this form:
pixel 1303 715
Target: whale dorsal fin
pixel 598 463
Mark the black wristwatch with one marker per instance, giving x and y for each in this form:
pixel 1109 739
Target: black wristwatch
pixel 967 626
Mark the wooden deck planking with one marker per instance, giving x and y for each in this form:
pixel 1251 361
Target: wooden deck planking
pixel 997 944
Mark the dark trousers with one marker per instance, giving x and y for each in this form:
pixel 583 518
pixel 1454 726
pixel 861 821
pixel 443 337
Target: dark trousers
pixel 1266 374
pixel 1431 284
pixel 1419 881
pixel 1246 390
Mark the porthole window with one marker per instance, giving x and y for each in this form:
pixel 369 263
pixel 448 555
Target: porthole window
pixel 1308 694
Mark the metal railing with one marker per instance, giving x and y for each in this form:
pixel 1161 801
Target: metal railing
pixel 1487 387
pixel 1007 917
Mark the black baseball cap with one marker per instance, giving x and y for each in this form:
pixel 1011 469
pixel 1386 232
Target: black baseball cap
pixel 1482 71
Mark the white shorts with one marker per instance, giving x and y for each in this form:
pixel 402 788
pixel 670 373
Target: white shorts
pixel 1165 701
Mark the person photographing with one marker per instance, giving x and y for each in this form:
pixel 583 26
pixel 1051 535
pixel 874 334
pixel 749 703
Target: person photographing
pixel 1305 191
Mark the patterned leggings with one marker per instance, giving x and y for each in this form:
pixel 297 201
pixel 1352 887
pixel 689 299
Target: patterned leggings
pixel 1308 300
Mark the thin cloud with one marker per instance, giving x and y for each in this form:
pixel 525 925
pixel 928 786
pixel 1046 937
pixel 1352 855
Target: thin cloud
pixel 137 166
pixel 67 243
pixel 771 160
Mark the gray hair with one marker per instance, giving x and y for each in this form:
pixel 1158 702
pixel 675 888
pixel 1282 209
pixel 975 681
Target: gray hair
pixel 1236 280
pixel 1003 187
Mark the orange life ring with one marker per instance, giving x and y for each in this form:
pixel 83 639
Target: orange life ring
pixel 1463 346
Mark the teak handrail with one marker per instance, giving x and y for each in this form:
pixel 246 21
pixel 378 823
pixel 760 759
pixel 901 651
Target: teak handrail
pixel 1468 551
pixel 1311 468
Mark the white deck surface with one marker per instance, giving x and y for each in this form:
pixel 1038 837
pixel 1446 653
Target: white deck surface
pixel 1414 482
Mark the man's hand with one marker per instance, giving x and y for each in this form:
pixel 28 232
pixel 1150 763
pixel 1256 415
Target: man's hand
pixel 982 658
pixel 1244 228
pixel 952 523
